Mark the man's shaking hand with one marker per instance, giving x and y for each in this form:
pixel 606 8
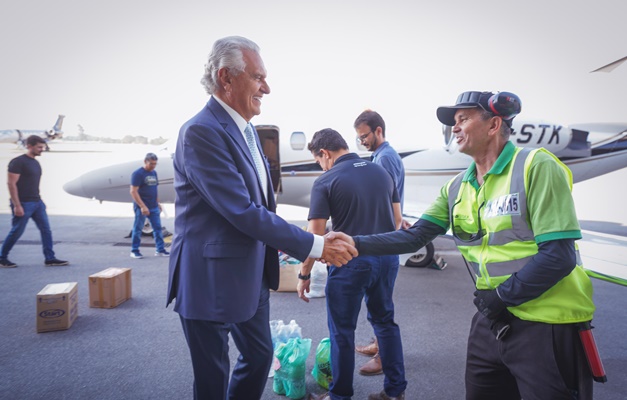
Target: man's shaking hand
pixel 339 248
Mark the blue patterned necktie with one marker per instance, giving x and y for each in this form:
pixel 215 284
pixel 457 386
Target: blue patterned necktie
pixel 254 152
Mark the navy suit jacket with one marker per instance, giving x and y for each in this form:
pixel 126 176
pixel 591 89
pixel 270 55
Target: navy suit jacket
pixel 225 232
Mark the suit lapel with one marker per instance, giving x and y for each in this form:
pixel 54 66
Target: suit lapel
pixel 231 128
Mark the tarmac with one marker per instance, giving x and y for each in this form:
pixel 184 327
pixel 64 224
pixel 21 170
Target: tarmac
pixel 137 350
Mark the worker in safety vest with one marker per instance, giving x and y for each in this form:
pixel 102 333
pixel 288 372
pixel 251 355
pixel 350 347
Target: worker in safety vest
pixel 513 219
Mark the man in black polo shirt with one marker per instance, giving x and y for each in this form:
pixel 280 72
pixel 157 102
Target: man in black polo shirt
pixel 359 196
pixel 23 182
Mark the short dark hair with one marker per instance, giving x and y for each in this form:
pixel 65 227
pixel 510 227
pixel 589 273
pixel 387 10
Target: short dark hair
pixel 327 139
pixel 372 119
pixel 151 157
pixel 34 140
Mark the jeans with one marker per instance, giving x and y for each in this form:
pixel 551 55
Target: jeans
pixel 138 225
pixel 37 211
pixel 371 278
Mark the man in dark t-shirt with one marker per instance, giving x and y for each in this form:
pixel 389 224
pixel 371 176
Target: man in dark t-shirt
pixel 359 196
pixel 145 196
pixel 23 183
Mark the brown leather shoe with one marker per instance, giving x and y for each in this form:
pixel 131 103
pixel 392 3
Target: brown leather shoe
pixel 383 396
pixel 372 367
pixel 324 396
pixel 369 350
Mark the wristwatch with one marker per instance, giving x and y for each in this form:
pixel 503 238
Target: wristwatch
pixel 304 277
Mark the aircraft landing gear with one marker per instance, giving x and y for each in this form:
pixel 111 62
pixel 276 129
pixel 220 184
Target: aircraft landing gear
pixel 147 231
pixel 422 258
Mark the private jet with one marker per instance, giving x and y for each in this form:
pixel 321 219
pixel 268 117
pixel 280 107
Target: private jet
pixel 589 150
pixel 19 136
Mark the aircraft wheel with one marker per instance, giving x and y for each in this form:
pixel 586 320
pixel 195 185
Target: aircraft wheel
pixel 422 258
pixel 147 230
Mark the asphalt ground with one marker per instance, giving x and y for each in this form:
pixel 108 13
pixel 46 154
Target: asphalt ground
pixel 137 350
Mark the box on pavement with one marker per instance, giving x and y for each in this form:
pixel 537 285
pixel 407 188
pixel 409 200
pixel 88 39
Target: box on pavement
pixel 109 288
pixel 288 277
pixel 57 306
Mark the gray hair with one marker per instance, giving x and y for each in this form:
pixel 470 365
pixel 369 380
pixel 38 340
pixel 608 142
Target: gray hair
pixel 506 131
pixel 226 53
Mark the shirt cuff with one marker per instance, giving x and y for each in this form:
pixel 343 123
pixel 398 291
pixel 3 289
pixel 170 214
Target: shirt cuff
pixel 317 247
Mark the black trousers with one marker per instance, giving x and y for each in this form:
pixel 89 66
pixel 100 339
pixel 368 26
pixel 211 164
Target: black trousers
pixel 535 361
pixel 208 343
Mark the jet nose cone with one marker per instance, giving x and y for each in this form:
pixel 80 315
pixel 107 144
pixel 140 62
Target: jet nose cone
pixel 75 187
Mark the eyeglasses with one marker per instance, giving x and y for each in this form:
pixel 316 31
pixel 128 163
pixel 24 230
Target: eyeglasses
pixel 364 136
pixel 462 235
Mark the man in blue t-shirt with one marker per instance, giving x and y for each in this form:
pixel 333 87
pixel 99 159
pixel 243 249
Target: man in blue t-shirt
pixel 370 129
pixel 144 184
pixel 359 196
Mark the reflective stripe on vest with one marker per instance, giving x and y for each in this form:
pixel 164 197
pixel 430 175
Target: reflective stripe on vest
pixel 501 268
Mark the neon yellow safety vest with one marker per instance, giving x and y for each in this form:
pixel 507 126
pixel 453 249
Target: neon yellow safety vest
pixel 506 242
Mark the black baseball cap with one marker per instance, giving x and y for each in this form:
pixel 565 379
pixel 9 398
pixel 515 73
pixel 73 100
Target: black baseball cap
pixel 504 104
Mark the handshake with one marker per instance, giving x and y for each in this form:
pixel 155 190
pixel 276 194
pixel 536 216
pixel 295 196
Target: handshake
pixel 339 248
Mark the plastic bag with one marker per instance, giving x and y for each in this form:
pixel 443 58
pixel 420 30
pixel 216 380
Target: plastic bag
pixel 318 283
pixel 275 327
pixel 280 333
pixel 322 368
pixel 289 379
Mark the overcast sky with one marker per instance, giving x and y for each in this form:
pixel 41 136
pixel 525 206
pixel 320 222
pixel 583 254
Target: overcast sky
pixel 133 67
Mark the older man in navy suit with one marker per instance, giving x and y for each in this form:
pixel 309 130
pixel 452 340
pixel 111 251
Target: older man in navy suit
pixel 224 258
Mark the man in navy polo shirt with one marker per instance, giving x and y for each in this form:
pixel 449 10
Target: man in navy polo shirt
pixel 144 184
pixel 359 196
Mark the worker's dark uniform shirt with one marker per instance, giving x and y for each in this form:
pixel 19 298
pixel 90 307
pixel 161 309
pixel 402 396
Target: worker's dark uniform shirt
pixel 357 194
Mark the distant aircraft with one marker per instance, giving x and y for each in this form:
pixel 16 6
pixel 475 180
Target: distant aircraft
pixel 589 150
pixel 19 135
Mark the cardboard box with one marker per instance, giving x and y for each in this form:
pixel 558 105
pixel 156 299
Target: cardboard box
pixel 57 306
pixel 288 277
pixel 109 288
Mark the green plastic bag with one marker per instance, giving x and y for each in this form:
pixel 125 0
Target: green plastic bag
pixel 322 369
pixel 289 379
